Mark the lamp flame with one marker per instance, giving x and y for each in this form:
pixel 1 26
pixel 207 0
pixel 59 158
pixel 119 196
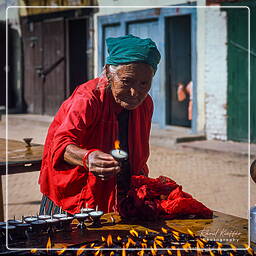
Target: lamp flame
pixel 233 247
pixel 211 253
pixel 80 250
pixel 117 144
pixel 133 232
pixel 109 240
pixel 199 243
pixel 49 244
pixel 186 246
pixel 130 241
pixel 169 252
pixel 141 253
pixel 164 230
pixel 219 247
pixel 190 232
pixel 62 250
pixel 249 249
pixel 153 251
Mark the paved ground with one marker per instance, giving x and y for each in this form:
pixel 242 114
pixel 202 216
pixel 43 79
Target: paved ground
pixel 218 178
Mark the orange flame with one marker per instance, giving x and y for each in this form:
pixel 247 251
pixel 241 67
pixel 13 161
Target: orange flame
pixel 159 238
pixel 231 254
pixel 190 232
pixel 169 252
pixel 146 232
pixel 165 231
pixel 92 245
pixel 118 238
pixel 112 253
pixel 133 232
pixel 176 235
pixel 249 249
pixel 130 241
pixel 233 247
pixel 103 239
pixel 211 253
pixel 144 240
pixel 178 253
pixel 153 251
pixel 117 144
pixel 186 246
pixel 144 245
pixel 49 244
pixel 157 242
pixel 219 247
pixel 80 250
pixel 109 240
pixel 199 243
pixel 33 251
pixel 62 251
pixel 123 252
pixel 141 253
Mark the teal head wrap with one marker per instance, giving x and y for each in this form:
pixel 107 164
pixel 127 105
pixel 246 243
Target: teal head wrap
pixel 127 49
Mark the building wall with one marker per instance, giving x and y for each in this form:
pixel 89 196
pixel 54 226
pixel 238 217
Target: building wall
pixel 216 74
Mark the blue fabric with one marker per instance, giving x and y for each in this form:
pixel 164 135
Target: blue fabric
pixel 129 48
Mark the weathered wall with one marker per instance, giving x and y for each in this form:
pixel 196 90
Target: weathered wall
pixel 216 74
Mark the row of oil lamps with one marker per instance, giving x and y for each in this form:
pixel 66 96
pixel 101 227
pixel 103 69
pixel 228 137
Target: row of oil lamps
pixel 18 229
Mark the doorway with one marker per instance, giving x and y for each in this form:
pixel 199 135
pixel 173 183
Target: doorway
pixel 178 68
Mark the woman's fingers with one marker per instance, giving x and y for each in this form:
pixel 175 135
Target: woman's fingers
pixel 103 165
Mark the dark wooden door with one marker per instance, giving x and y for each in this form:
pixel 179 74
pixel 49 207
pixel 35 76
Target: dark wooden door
pixel 178 69
pixel 33 53
pixel 53 66
pixel 44 59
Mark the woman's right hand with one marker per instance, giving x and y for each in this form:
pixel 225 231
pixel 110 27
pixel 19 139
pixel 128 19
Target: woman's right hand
pixel 102 165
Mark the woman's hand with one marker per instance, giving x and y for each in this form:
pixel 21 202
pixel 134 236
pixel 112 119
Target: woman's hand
pixel 102 165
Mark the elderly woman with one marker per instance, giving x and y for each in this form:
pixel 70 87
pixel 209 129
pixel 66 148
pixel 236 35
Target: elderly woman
pixel 77 168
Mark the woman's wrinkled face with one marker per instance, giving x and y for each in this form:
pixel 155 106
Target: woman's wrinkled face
pixel 131 83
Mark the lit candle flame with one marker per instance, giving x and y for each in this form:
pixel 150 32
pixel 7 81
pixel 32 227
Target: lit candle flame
pixel 190 232
pixel 153 251
pixel 140 253
pixel 80 250
pixel 103 239
pixel 233 247
pixel 249 249
pixel 159 238
pixel 219 247
pixel 117 144
pixel 49 244
pixel 133 232
pixel 186 246
pixel 211 253
pixel 33 251
pixel 109 240
pixel 112 253
pixel 119 238
pixel 62 250
pixel 130 241
pixel 199 243
pixel 169 252
pixel 164 230
pixel 144 245
pixel 146 232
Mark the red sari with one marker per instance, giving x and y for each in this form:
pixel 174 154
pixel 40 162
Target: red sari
pixel 88 119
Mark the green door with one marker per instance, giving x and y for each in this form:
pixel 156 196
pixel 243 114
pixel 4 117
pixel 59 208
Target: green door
pixel 238 75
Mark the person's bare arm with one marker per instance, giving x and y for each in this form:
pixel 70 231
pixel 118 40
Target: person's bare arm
pixel 100 164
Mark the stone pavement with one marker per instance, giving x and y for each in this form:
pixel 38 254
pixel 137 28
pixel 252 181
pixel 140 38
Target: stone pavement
pixel 215 173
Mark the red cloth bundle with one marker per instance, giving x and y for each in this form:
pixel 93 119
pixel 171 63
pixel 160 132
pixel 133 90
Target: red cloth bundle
pixel 150 199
